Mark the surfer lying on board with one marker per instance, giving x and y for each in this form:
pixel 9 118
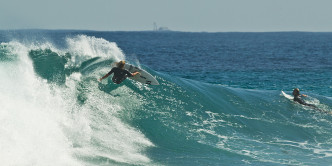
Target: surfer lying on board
pixel 297 97
pixel 120 74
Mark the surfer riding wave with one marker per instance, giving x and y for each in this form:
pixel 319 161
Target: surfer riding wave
pixel 120 74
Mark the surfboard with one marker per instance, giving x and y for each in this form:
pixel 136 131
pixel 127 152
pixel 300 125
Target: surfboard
pixel 287 95
pixel 144 76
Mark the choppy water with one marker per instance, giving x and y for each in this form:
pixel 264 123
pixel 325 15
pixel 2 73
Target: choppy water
pixel 219 101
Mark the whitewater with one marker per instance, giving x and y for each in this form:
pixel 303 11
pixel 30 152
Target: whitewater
pixel 55 112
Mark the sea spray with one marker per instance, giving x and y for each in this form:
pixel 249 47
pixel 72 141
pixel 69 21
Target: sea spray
pixel 49 125
pixel 30 116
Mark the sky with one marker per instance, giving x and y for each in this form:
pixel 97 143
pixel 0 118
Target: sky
pixel 177 15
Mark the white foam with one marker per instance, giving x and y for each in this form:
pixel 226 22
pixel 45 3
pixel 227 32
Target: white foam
pixel 97 131
pixel 86 47
pixel 44 124
pixel 30 132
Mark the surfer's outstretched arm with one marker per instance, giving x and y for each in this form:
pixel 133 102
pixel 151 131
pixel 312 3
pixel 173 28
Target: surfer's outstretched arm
pixel 105 76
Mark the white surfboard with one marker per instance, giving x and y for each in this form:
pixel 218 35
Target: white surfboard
pixel 287 95
pixel 144 77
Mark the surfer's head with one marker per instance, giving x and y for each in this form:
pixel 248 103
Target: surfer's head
pixel 296 92
pixel 121 64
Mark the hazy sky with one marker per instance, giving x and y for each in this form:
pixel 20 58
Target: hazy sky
pixel 179 15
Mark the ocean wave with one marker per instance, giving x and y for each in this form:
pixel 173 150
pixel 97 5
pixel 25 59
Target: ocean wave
pixel 66 117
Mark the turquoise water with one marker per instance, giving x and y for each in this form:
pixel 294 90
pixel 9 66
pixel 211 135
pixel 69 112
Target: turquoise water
pixel 219 102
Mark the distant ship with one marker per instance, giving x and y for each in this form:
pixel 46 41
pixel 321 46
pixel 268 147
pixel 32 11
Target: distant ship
pixel 163 29
pixel 155 28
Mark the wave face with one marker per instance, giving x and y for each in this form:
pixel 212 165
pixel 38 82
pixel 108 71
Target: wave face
pixel 55 112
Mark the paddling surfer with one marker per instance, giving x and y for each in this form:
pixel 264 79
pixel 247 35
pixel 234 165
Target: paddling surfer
pixel 297 97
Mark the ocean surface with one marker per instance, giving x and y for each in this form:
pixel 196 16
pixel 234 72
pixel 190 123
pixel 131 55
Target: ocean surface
pixel 219 100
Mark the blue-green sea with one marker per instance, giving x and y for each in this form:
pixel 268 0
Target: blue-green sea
pixel 219 100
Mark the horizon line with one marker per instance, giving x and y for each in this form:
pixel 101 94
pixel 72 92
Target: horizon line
pixel 168 31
